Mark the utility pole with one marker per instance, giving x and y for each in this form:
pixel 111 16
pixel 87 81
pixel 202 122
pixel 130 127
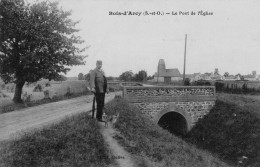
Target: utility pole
pixel 157 74
pixel 184 59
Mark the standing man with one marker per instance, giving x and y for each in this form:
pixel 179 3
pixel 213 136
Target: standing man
pixel 98 86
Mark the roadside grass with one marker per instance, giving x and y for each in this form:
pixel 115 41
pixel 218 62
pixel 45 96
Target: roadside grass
pixel 55 89
pixel 4 99
pixel 10 106
pixel 75 141
pixel 57 92
pixel 231 129
pixel 150 145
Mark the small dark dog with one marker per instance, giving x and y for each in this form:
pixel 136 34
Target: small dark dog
pixel 106 119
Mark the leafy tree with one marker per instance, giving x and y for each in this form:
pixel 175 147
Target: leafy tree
pixel 110 78
pixel 126 76
pixel 216 72
pixel 36 41
pixel 60 78
pixel 186 82
pixel 80 76
pixel 226 74
pixel 87 77
pixel 141 76
pixel 254 73
pixel 150 77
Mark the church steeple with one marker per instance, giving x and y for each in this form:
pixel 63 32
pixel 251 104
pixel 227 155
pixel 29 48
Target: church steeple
pixel 161 67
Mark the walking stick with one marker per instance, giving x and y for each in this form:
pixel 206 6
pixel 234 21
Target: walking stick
pixel 93 106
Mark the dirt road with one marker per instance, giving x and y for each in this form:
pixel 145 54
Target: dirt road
pixel 39 116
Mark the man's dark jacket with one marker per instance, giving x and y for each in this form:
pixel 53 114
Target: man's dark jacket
pixel 98 81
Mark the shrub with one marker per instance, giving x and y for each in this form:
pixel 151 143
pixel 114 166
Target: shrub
pixel 187 82
pixel 202 83
pixel 46 94
pixel 57 98
pixel 38 88
pixel 47 84
pixel 68 93
pixel 27 99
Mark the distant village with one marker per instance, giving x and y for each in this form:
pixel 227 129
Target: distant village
pixel 171 75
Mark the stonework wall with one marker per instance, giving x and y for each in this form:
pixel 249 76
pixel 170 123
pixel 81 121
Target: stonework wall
pixel 195 110
pixel 151 109
pixel 169 91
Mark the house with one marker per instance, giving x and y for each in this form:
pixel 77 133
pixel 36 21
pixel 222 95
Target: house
pixel 250 77
pixel 204 77
pixel 166 75
pixel 232 78
pixel 193 77
pixel 217 77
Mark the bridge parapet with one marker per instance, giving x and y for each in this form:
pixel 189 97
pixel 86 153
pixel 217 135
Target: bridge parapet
pixel 168 93
pixel 193 102
pixel 126 83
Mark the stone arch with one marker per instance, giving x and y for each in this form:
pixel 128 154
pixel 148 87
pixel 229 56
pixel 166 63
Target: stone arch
pixel 173 108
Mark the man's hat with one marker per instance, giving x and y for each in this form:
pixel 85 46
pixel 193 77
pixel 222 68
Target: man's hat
pixel 99 62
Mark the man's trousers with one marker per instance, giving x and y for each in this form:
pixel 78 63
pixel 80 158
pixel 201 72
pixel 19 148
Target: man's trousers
pixel 100 99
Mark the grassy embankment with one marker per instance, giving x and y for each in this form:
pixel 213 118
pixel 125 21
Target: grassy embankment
pixel 76 141
pixel 231 130
pixel 150 145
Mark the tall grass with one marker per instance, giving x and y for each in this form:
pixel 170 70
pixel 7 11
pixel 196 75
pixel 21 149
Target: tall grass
pixel 152 145
pixel 76 141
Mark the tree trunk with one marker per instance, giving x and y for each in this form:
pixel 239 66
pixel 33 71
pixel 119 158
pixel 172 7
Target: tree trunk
pixel 18 92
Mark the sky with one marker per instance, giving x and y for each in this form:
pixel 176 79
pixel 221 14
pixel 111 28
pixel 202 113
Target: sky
pixel 228 40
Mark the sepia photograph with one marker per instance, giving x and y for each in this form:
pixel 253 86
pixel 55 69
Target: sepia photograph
pixel 119 83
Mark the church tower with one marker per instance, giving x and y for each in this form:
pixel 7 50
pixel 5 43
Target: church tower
pixel 161 67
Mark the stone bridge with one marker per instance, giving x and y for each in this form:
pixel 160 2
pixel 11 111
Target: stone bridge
pixel 175 108
pixel 126 83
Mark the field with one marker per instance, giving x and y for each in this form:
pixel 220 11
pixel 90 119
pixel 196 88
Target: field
pixel 56 90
